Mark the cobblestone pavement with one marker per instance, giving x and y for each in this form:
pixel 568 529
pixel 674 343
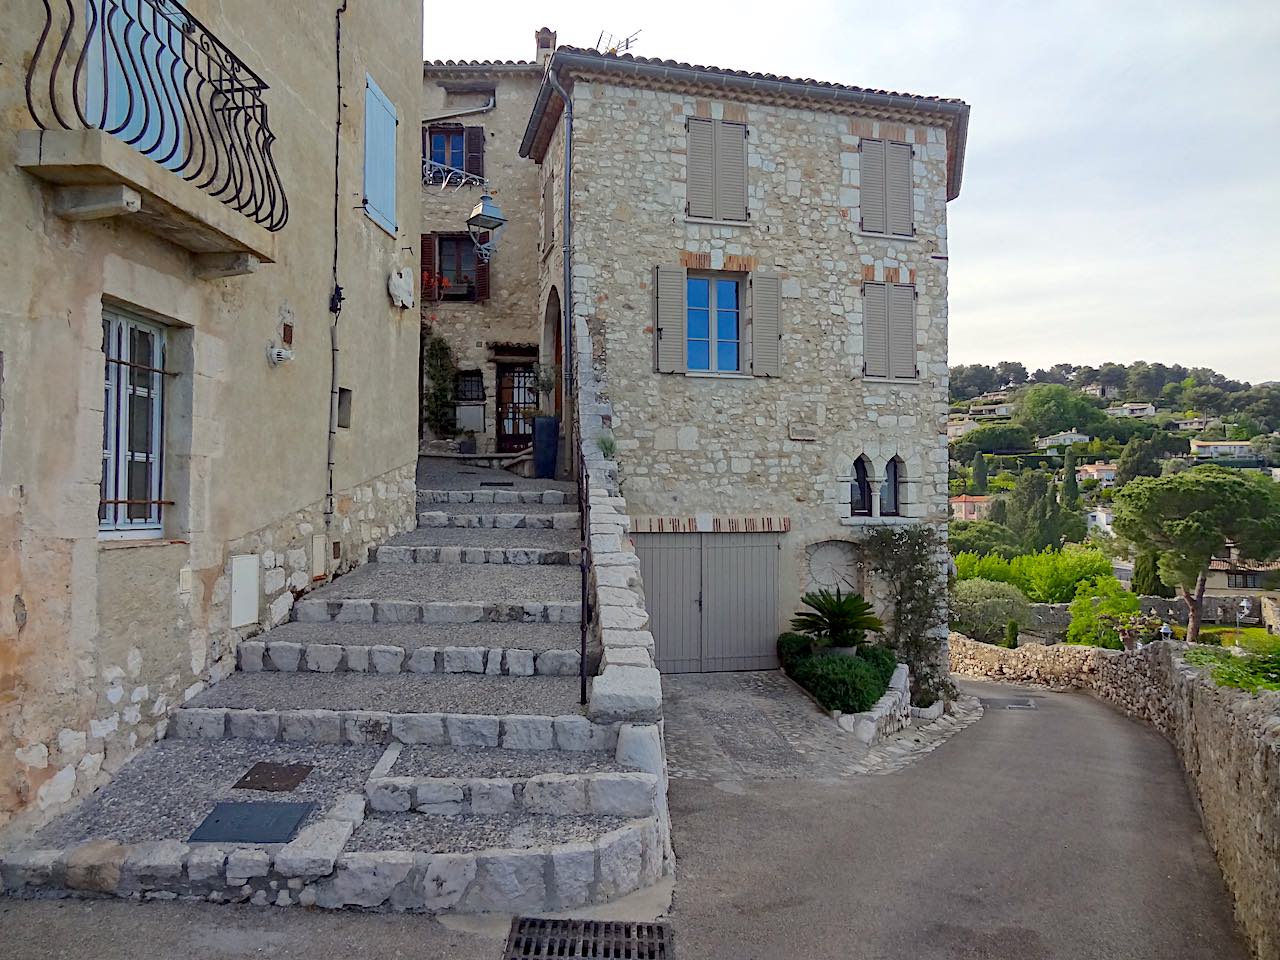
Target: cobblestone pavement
pixel 760 726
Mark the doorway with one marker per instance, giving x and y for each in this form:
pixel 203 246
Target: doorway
pixel 517 403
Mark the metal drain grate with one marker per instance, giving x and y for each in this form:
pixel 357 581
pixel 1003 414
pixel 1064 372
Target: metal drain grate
pixel 273 777
pixel 497 483
pixel 533 938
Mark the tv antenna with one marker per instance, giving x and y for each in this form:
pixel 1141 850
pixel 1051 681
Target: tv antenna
pixel 608 43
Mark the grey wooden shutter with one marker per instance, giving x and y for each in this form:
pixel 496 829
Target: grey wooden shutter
pixel 731 170
pixel 875 330
pixel 871 191
pixel 766 325
pixel 669 318
pixel 898 189
pixel 700 196
pixel 548 212
pixel 902 331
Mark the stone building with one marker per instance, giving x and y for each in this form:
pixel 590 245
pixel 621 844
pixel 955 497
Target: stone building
pixel 761 265
pixel 474 115
pixel 208 392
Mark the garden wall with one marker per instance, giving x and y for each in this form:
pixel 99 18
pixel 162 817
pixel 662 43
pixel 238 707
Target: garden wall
pixel 1049 621
pixel 1228 742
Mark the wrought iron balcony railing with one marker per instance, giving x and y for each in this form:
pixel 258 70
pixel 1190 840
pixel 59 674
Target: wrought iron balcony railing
pixel 436 173
pixel 149 73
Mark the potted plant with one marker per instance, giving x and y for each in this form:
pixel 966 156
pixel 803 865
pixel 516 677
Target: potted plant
pixel 468 442
pixel 546 423
pixel 837 623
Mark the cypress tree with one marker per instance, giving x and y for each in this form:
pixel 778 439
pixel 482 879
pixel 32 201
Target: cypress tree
pixel 979 479
pixel 1070 486
pixel 1146 576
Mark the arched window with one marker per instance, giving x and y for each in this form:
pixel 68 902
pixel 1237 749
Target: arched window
pixel 860 494
pixel 891 489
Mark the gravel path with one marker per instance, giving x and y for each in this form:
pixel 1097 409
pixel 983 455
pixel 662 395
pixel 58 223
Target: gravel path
pixel 422 582
pixel 442 762
pixel 524 636
pixel 166 791
pixel 437 834
pixel 438 473
pixel 484 537
pixel 396 693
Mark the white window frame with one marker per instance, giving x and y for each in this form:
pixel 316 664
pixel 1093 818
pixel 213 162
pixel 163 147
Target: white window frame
pixel 113 520
pixel 713 340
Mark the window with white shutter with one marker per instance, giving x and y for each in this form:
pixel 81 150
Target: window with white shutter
pixel 885 188
pixel 716 172
pixel 889 331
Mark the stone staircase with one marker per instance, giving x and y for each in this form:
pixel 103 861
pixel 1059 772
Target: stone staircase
pixel 434 694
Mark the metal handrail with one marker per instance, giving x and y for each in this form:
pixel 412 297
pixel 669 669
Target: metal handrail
pixel 584 522
pixel 150 74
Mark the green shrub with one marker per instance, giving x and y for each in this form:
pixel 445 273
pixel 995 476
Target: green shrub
pixel 982 608
pixel 1011 634
pixel 847 684
pixel 1051 576
pixel 981 537
pixel 836 619
pixel 1253 672
pixel 792 647
pixel 1098 605
pixel 882 660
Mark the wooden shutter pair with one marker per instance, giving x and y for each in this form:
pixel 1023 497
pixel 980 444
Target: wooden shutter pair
pixel 670 313
pixel 429 259
pixel 716 175
pixel 885 188
pixel 889 330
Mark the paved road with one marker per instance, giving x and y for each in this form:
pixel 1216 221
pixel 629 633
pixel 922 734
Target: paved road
pixel 1061 832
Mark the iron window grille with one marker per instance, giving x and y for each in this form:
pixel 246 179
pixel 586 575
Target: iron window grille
pixel 470 386
pixel 130 502
pixel 150 74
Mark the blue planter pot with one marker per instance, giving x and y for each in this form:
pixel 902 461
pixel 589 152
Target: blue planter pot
pixel 546 445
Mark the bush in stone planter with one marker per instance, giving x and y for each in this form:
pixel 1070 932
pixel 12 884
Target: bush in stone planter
pixel 882 660
pixel 847 684
pixel 793 647
pixel 982 609
pixel 836 619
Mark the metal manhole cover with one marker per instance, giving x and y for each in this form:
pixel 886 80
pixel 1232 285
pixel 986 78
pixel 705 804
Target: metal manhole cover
pixel 532 937
pixel 273 777
pixel 257 821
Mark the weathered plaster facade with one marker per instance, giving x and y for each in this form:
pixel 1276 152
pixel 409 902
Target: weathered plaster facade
pixel 100 639
pixel 699 446
pixel 479 332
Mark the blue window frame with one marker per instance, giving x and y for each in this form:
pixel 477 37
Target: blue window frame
pixel 713 324
pixel 447 147
pixel 379 157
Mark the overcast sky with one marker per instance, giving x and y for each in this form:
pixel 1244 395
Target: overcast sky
pixel 1121 196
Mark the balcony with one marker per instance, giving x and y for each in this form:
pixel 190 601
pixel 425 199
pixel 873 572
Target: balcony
pixel 144 114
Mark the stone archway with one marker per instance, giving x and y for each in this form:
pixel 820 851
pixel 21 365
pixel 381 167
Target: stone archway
pixel 552 350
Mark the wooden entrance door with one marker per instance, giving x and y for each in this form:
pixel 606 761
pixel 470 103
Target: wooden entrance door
pixel 517 401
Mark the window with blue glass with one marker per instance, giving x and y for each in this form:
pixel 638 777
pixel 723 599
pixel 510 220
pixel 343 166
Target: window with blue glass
pixel 447 146
pixel 713 324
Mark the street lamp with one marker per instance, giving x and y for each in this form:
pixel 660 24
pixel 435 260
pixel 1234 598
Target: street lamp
pixel 484 225
pixel 1166 632
pixel 1245 608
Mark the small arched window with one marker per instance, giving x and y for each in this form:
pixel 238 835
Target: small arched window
pixel 860 494
pixel 891 489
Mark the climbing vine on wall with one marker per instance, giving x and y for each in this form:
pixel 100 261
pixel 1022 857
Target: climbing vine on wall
pixel 909 560
pixel 440 373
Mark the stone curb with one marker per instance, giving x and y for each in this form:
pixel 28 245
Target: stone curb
pixel 353 610
pixel 548 497
pixel 569 733
pixel 500 521
pixel 512 556
pixel 888 715
pixel 258 656
pixel 548 794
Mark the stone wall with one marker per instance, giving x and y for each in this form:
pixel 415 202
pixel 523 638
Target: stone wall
pixel 100 638
pixel 1228 742
pixel 1049 621
pixel 751 446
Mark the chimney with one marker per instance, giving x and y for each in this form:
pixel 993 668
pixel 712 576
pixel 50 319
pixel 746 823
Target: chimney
pixel 546 38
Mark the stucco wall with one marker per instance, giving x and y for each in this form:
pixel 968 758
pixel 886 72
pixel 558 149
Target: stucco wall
pixel 99 640
pixel 697 445
pixel 1228 742
pixel 512 314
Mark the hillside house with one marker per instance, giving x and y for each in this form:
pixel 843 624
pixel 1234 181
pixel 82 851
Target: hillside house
pixel 1234 576
pixel 991 410
pixel 1197 424
pixel 1101 391
pixel 1104 473
pixel 1140 411
pixel 1099 519
pixel 971 507
pixel 1221 449
pixel 960 426
pixel 1059 442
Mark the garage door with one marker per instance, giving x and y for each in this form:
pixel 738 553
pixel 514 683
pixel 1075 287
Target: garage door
pixel 712 599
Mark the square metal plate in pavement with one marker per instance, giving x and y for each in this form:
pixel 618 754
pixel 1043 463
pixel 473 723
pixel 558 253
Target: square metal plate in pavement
pixel 273 777
pixel 534 937
pixel 257 821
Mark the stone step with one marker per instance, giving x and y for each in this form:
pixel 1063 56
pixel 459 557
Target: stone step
pixel 499 495
pixel 436 612
pixel 289 657
pixel 409 636
pixel 527 516
pixel 475 545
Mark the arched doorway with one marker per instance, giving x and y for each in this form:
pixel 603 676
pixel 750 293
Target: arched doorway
pixel 553 345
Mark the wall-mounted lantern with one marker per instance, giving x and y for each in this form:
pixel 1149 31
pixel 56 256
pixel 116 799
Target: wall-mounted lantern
pixel 484 224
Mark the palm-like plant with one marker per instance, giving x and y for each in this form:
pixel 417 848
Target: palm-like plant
pixel 836 619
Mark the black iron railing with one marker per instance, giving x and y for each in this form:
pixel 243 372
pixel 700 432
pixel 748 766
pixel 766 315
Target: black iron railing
pixel 584 522
pixel 149 73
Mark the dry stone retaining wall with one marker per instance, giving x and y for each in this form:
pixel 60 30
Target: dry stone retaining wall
pixel 1228 741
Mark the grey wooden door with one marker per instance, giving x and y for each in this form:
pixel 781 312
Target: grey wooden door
pixel 713 599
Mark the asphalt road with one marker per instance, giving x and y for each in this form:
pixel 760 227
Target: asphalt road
pixel 1061 832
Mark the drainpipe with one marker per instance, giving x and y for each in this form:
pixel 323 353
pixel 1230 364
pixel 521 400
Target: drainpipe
pixel 470 111
pixel 335 297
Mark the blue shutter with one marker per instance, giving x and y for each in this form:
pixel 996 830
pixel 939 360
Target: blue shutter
pixel 379 157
